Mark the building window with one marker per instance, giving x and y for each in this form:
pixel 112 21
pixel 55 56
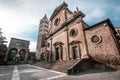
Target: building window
pixel 96 39
pixel 73 32
pixel 57 21
pixel 46 22
pixel 17 44
pixel 46 26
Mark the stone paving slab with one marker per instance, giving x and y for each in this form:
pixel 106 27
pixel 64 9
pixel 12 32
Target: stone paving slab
pixel 94 74
pixel 30 72
pixel 6 72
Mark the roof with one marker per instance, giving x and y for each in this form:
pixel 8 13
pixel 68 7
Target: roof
pixel 45 17
pixel 106 20
pixel 20 39
pixel 58 9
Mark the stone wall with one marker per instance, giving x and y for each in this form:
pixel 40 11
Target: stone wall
pixel 101 40
pixel 78 25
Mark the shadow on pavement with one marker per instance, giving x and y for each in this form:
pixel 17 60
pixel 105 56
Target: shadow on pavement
pixel 95 70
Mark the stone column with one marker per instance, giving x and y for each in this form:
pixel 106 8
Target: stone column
pixel 6 56
pixel 78 48
pixel 26 55
pixel 60 53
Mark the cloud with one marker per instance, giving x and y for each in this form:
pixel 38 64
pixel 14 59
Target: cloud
pixel 32 46
pixel 97 10
pixel 20 18
pixel 11 2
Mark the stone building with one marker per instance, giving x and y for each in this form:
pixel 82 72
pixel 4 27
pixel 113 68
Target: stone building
pixel 70 37
pixel 17 47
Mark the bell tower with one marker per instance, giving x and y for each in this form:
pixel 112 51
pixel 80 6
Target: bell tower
pixel 43 30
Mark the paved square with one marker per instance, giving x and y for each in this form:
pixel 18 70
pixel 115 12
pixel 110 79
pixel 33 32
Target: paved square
pixel 30 72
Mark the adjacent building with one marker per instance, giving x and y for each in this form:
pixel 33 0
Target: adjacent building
pixel 17 48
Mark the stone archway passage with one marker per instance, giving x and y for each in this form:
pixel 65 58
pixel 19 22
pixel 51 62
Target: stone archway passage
pixel 11 54
pixel 42 56
pixel 22 54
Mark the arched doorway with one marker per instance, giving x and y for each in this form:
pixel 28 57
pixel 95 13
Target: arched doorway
pixel 75 52
pixel 11 54
pixel 22 54
pixel 42 56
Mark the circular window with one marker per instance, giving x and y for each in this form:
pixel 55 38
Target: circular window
pixel 57 21
pixel 96 39
pixel 73 32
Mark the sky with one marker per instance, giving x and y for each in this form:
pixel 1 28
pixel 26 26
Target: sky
pixel 20 18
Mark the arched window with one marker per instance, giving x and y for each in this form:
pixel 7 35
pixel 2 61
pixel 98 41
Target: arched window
pixel 46 22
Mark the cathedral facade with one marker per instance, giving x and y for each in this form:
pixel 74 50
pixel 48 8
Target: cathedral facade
pixel 67 36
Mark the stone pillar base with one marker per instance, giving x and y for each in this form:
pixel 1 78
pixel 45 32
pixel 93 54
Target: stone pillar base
pixel 84 56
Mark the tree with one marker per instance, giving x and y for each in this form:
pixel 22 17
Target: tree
pixel 3 47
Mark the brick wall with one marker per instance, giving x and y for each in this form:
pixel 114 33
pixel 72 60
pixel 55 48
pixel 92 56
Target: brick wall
pixel 106 44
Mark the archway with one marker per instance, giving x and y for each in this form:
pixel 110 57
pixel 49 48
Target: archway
pixel 42 56
pixel 22 54
pixel 11 54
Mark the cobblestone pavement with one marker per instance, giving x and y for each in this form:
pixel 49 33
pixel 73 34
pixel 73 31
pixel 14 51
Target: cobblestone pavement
pixel 30 72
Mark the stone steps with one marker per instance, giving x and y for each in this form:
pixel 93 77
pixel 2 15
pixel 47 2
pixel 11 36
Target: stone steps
pixel 61 66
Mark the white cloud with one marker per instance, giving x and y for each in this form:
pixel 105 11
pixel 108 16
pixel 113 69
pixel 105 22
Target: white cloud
pixel 96 13
pixel 17 16
pixel 32 46
pixel 15 23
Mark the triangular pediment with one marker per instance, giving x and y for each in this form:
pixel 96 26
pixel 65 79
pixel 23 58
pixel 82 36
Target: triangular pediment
pixel 59 8
pixel 61 17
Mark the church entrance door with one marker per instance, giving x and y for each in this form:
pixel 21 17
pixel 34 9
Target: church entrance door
pixel 57 53
pixel 75 52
